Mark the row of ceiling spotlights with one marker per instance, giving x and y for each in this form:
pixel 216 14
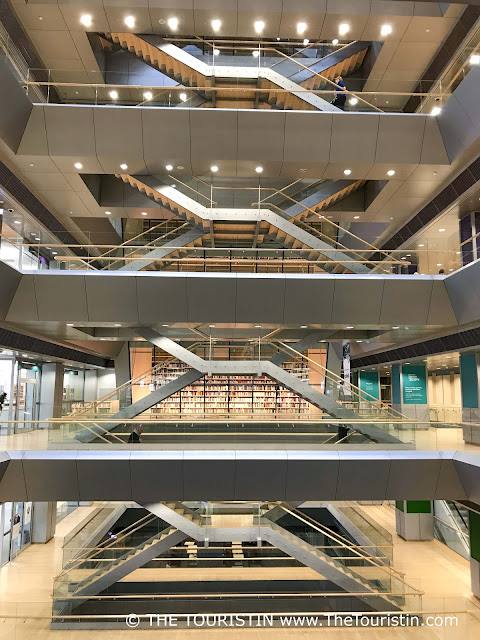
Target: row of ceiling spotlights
pixel 259 25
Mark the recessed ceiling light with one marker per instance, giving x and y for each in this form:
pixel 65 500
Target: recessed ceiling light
pixel 435 111
pixel 117 324
pixel 173 23
pixel 386 29
pixel 214 168
pixel 348 327
pixel 129 21
pixel 113 95
pixel 165 325
pixel 353 101
pixel 406 363
pixel 168 167
pixel 259 26
pixel 147 95
pixel 356 217
pixel 390 172
pixel 124 166
pixel 174 186
pixel 301 28
pixel 86 20
pixel 144 213
pixel 359 340
pixel 395 327
pixel 216 24
pixel 255 53
pixel 343 28
pixel 179 167
pixel 441 230
pixel 216 52
pixel 475 59
pixel 304 326
pixel 108 213
pixel 259 169
pixel 212 326
pixel 335 41
pixel 78 165
pixel 183 97
pixel 258 326
pixel 439 264
pixel 69 324
pixel 421 245
pixel 54 253
pixel 17 222
pixel 305 42
pixel 347 172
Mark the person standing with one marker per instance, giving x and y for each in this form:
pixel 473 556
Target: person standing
pixel 340 93
pixel 134 437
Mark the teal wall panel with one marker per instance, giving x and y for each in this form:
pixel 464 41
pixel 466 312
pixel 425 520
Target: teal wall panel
pixel 469 379
pixel 414 384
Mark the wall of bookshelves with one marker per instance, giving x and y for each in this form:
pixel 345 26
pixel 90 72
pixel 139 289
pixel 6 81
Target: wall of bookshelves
pixel 222 395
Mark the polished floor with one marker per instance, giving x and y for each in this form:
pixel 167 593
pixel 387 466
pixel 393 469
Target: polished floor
pixel 26 588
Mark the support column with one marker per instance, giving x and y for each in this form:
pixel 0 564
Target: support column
pixel 414 519
pixel 334 364
pixel 51 391
pixel 44 521
pixel 409 392
pixel 469 376
pixel 474 527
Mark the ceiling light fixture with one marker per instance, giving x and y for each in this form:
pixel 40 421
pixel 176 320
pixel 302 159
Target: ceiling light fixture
pixel 169 167
pixel 216 24
pixel 441 230
pixel 301 28
pixel 173 23
pixel 86 20
pixel 335 41
pixel 305 42
pixel 259 26
pixel 421 245
pixel 258 326
pixel 356 217
pixel 183 97
pixel 259 169
pixel 214 168
pixel 113 95
pixel 348 327
pixel 390 172
pixel 165 325
pixel 216 52
pixel 212 326
pixel 347 172
pixel 69 324
pixel 108 213
pixel 386 29
pixel 304 326
pixel 147 95
pixel 255 53
pixel 435 111
pixel 129 21
pixel 475 59
pixel 395 327
pixel 124 167
pixel 353 101
pixel 343 28
pixel 78 165
pixel 144 213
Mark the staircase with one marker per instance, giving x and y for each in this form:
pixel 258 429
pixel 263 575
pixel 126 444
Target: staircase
pixel 277 90
pixel 278 227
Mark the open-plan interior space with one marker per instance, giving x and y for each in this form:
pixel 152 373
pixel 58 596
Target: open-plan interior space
pixel 240 319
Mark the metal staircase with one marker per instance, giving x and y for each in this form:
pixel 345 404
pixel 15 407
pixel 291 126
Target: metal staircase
pixel 275 226
pixel 277 90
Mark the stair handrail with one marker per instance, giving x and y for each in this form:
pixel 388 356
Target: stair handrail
pixel 333 377
pixel 399 575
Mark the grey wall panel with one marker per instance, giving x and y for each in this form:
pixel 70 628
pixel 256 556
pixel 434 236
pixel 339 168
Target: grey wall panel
pixel 9 281
pixel 467 467
pixel 308 139
pixel 462 291
pixel 162 299
pixel 308 474
pixel 203 294
pixel 51 473
pixel 406 301
pixel 468 96
pixel 222 145
pixel 260 299
pixel 61 299
pixel 361 127
pixel 400 138
pixel 166 138
pixel 260 476
pixel 118 139
pixel 406 482
pixel 206 486
pixel 346 307
pixel 359 475
pixel 261 137
pixel 449 485
pixel 432 145
pixel 24 303
pixel 318 293
pixel 157 475
pixel 15 108
pixel 12 482
pixel 440 310
pixel 70 131
pixel 116 482
pixel 34 137
pixel 110 299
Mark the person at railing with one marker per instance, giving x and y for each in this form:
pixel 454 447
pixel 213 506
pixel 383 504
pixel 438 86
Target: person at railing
pixel 135 436
pixel 340 93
